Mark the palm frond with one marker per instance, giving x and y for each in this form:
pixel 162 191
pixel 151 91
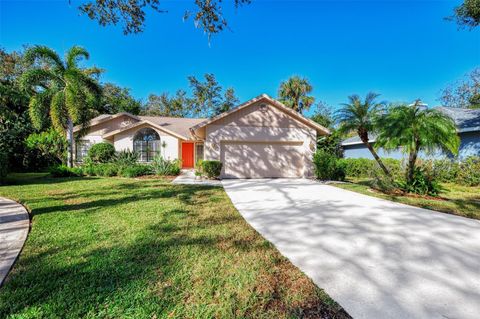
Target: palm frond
pixel 44 54
pixel 74 55
pixel 57 111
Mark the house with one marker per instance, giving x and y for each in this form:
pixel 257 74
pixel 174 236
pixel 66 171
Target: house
pixel 259 138
pixel 468 128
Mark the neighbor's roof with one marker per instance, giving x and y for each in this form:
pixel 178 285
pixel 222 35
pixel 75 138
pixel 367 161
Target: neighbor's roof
pixel 466 120
pixel 274 102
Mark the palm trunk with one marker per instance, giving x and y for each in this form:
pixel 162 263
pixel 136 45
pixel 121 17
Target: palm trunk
pixel 412 159
pixel 70 143
pixel 364 137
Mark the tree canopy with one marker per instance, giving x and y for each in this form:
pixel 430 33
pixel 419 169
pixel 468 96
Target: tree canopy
pixel 467 14
pixel 295 93
pixel 116 99
pixel 166 105
pixel 464 93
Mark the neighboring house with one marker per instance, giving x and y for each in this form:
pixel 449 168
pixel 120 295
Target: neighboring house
pixel 468 127
pixel 260 138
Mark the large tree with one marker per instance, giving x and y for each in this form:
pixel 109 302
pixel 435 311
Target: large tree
pixel 166 105
pixel 415 128
pixel 295 93
pixel 116 99
pixel 207 14
pixel 467 14
pixel 208 98
pixel 464 93
pixel 61 92
pixel 330 143
pixel 360 116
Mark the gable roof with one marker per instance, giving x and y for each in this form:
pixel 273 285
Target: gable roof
pixel 466 120
pixel 272 101
pixel 104 118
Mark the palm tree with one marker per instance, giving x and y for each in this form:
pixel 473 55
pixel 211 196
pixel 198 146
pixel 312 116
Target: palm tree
pixel 360 117
pixel 294 93
pixel 414 128
pixel 61 92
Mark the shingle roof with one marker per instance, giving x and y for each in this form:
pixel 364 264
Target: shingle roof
pixel 178 125
pixel 467 120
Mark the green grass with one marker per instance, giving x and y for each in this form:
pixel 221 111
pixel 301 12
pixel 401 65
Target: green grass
pixel 454 199
pixel 145 248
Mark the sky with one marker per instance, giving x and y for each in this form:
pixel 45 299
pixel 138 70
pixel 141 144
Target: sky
pixel 403 50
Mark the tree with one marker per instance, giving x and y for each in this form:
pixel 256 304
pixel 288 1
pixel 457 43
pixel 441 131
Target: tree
pixel 207 15
pixel 61 92
pixel 360 117
pixel 330 143
pixel 414 128
pixel 51 144
pixel 467 14
pixel 207 98
pixel 294 93
pixel 464 93
pixel 116 99
pixel 164 105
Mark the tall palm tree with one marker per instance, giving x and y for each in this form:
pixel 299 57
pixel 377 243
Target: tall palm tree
pixel 414 128
pixel 61 92
pixel 294 93
pixel 360 117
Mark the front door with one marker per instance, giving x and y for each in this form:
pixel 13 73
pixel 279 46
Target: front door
pixel 187 155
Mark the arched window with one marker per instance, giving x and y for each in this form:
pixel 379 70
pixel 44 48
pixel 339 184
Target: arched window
pixel 146 144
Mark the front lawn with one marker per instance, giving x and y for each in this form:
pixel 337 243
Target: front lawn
pixel 454 199
pixel 145 248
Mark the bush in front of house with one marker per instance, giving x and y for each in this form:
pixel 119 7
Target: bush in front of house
pixel 65 171
pixel 469 171
pixel 135 170
pixel 368 168
pixel 3 166
pixel 126 158
pixel 212 169
pixel 165 167
pixel 423 183
pixel 327 166
pixel 101 153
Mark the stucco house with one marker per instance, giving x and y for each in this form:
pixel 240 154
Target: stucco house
pixel 259 138
pixel 468 128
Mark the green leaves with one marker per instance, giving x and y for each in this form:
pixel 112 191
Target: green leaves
pixel 294 93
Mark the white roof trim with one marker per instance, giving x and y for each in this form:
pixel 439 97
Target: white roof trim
pixel 106 119
pixel 274 102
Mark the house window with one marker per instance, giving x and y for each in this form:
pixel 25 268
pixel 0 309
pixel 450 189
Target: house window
pixel 146 144
pixel 198 152
pixel 81 150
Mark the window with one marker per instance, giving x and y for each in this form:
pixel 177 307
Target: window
pixel 146 144
pixel 81 150
pixel 198 152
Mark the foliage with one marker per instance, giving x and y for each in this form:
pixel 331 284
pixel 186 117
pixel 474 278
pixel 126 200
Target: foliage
pixel 65 171
pixel 212 169
pixel 327 166
pixel 464 93
pixel 199 168
pixel 208 14
pixel 295 93
pixel 207 97
pixel 3 165
pixel 421 183
pixel 139 247
pixel 164 167
pixel 51 144
pixel 135 170
pixel 126 158
pixel 115 99
pixel 364 167
pixel 164 105
pixel 444 170
pixel 323 115
pixel 469 171
pixel 383 183
pixel 61 89
pixel 415 128
pixel 360 116
pixel 467 14
pixel 101 152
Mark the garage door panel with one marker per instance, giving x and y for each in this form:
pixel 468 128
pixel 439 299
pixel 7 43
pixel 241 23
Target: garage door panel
pixel 257 160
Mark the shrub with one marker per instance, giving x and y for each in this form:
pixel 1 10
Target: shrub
pixel 364 167
pixel 51 144
pixel 126 158
pixel 135 170
pixel 444 170
pixel 423 183
pixel 165 167
pixel 469 171
pixel 199 168
pixel 212 169
pixel 328 166
pixel 105 169
pixel 3 166
pixel 65 171
pixel 101 153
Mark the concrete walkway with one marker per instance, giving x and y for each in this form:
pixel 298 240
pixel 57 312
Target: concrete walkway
pixel 14 227
pixel 187 177
pixel 378 259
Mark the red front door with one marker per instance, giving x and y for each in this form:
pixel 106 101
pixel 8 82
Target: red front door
pixel 187 155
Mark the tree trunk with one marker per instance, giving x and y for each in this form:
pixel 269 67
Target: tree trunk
pixel 412 159
pixel 364 137
pixel 70 143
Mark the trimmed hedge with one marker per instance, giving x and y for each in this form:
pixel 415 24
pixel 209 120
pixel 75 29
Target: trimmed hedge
pixel 368 168
pixel 212 169
pixel 328 166
pixel 65 171
pixel 101 153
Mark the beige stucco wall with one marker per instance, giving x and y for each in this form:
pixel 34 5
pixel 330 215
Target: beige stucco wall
pixel 253 125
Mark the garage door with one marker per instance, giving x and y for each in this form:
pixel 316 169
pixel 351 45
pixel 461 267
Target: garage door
pixel 257 160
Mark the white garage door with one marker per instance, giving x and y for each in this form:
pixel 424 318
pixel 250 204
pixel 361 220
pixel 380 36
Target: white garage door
pixel 258 160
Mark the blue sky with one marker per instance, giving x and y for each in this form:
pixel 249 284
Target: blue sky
pixel 401 49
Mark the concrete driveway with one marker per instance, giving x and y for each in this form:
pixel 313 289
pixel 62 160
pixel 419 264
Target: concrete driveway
pixel 378 259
